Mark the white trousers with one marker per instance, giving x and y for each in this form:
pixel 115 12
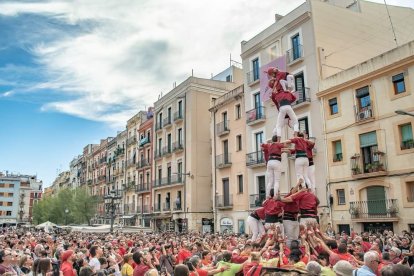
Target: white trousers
pixel 283 111
pixel 291 228
pixel 306 221
pixel 288 83
pixel 301 168
pixel 311 176
pixel 256 227
pixel 273 176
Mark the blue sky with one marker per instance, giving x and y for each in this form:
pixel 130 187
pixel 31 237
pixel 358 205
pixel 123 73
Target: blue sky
pixel 73 72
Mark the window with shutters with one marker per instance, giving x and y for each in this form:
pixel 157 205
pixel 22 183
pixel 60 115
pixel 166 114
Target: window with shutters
pixel 340 193
pixel 303 125
pixel 369 150
pixel 300 87
pixel 406 136
pixel 363 97
pixel 240 183
pixel 239 142
pixel 410 191
pixel 337 150
pixel 398 83
pixel 237 110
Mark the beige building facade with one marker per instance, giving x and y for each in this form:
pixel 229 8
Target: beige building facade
pixel 312 42
pixel 370 147
pixel 182 182
pixel 228 133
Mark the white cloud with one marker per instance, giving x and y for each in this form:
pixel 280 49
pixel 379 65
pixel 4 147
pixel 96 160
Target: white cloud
pixel 128 51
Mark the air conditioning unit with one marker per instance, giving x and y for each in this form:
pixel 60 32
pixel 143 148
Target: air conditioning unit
pixel 363 115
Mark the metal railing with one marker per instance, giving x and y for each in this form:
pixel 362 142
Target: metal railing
pixel 178 145
pixel 165 181
pixel 146 209
pixel 382 208
pixel 256 200
pixel 255 114
pixel 222 128
pixel 223 201
pixel 363 113
pixel 142 188
pixel 337 157
pixel 166 207
pixel 178 116
pixel 157 208
pixel 144 141
pixel 253 76
pixel 409 144
pixel 377 163
pixel 158 126
pixel 131 140
pixel 143 163
pixel 303 96
pixel 157 154
pixel 178 207
pixel 166 122
pixel 223 160
pixel 167 150
pixel 294 53
pixel 255 158
pixel 131 162
pixel 129 208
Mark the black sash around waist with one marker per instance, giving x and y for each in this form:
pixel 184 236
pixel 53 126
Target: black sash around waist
pixel 289 216
pixel 300 153
pixel 284 102
pixel 273 219
pixel 255 215
pixel 304 213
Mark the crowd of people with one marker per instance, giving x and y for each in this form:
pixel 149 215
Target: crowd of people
pixel 194 254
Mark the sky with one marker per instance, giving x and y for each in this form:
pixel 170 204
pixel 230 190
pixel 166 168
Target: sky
pixel 73 72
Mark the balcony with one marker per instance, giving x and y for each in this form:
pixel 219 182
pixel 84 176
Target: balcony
pixel 167 150
pixel 294 54
pixel 303 97
pixel 384 209
pixel 223 160
pixel 143 163
pixel 177 207
pixel 222 128
pixel 253 77
pixel 102 160
pixel 166 122
pixel 102 178
pixel 166 207
pixel 131 162
pixel 409 144
pixel 129 208
pixel 178 146
pixel 118 171
pixel 131 140
pixel 255 116
pixel 142 188
pixel 158 126
pixel 375 166
pixel 89 182
pixel 157 207
pixel 166 181
pixel 255 159
pixel 256 200
pixel 178 116
pixel 224 202
pixel 337 157
pixel 363 114
pixel 119 151
pixel 144 141
pixel 158 154
pixel 146 209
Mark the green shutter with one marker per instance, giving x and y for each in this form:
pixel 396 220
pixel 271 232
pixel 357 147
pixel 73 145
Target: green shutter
pixel 368 139
pixel 406 133
pixel 376 200
pixel 338 147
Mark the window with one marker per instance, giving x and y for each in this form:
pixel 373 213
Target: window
pixel 341 196
pixel 255 64
pixel 398 83
pixel 180 136
pixel 239 142
pixel 160 120
pixel 9 203
pixel 333 106
pixel 1 203
pixel 12 185
pixel 238 111
pixel 369 149
pixel 169 114
pixel 406 134
pixel 296 48
pixel 8 213
pixel 337 151
pixel 180 108
pixel 300 87
pixel 410 191
pixel 10 194
pixel 303 125
pixel 228 78
pixel 363 97
pixel 240 183
pixel 259 140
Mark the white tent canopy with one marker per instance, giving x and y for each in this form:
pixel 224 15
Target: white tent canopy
pixel 46 224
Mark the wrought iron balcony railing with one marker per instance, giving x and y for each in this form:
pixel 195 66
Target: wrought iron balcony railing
pixel 376 209
pixel 255 159
pixel 295 53
pixel 222 128
pixel 255 115
pixel 223 160
pixel 224 201
pixel 256 200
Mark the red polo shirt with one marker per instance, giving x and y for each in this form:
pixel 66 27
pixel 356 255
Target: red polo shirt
pixel 306 200
pixel 260 213
pixel 300 143
pixel 273 207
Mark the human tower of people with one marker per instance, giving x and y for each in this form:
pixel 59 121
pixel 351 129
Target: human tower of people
pixel 283 215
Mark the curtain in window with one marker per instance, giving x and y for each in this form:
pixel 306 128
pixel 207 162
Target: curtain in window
pixel 406 133
pixel 338 147
pixel 368 139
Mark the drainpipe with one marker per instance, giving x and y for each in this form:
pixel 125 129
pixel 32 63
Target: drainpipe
pixel 215 174
pixel 185 158
pixel 328 188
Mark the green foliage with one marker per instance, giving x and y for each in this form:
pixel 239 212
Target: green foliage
pixel 80 205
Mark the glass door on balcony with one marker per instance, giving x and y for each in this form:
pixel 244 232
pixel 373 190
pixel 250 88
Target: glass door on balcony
pixel 226 151
pixel 169 142
pixel 368 144
pixel 169 114
pixel 255 65
pixel 224 117
pixel 180 108
pixel 261 188
pixel 295 47
pixel 300 87
pixel 257 105
pixel 226 192
pixel 376 201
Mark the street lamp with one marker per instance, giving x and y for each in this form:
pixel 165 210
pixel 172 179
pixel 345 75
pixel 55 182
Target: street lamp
pixel 66 216
pixel 402 112
pixel 111 202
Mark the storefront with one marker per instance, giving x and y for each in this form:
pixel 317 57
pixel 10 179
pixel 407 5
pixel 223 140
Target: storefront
pixel 226 225
pixel 207 224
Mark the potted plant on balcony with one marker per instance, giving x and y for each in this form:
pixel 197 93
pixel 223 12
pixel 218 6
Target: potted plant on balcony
pixel 377 166
pixel 354 211
pixel 356 170
pixel 369 168
pixel 392 210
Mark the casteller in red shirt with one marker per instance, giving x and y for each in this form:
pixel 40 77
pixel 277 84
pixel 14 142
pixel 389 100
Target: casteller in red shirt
pixel 140 270
pixel 183 254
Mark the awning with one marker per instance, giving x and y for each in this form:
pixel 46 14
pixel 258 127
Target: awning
pixel 127 217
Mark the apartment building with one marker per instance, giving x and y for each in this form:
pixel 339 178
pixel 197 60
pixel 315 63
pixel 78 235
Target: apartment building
pixel 370 147
pixel 75 169
pixel 18 194
pixel 312 42
pixel 228 133
pixel 144 166
pixel 182 156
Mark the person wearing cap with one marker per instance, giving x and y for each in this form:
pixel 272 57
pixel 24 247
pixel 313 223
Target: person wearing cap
pixel 67 263
pixel 343 268
pixel 274 165
pixel 254 221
